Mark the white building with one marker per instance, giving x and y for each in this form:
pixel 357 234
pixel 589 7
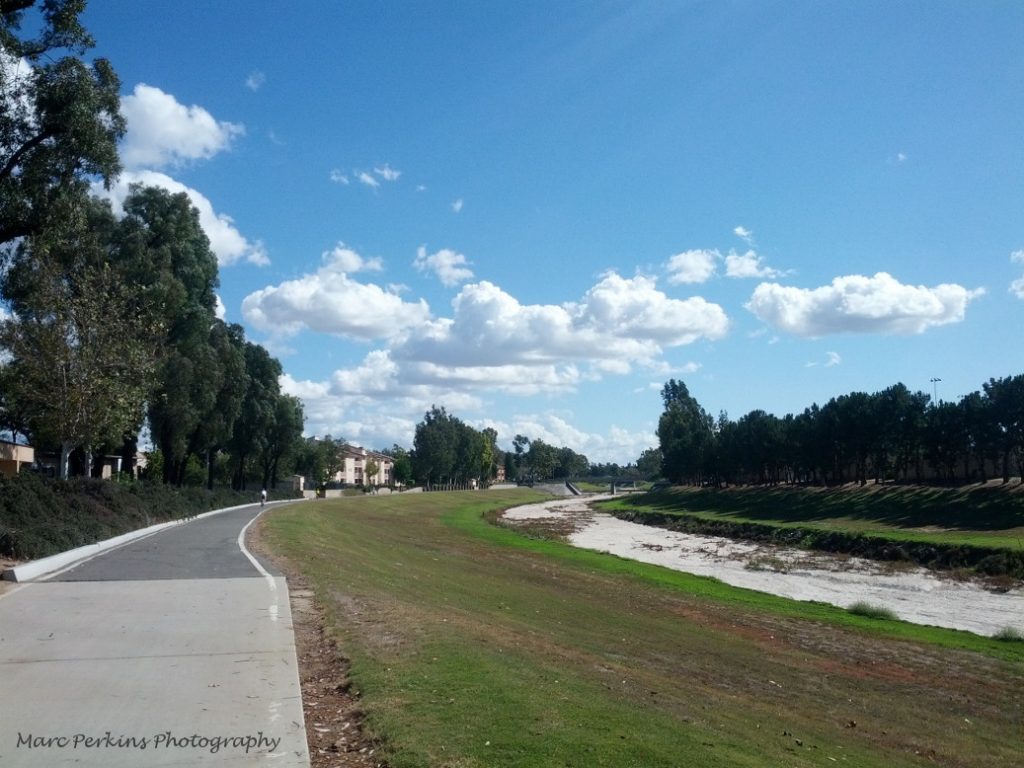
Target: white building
pixel 354 461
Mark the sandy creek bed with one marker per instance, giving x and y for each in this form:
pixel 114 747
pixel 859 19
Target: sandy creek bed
pixel 914 594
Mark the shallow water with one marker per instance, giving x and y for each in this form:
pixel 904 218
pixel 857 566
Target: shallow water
pixel 914 594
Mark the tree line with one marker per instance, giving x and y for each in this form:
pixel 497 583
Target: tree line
pixel 111 322
pixel 447 451
pixel 893 435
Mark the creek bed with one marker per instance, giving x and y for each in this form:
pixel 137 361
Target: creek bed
pixel 913 593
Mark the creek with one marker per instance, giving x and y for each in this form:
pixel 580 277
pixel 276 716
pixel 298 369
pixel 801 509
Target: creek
pixel 913 593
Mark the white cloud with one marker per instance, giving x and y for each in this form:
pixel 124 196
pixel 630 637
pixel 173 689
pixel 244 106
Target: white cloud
pixel 834 359
pixel 339 177
pixel 163 132
pixel 491 344
pixel 330 301
pixel 220 310
pixel 859 304
pixel 387 173
pixel 747 265
pixel 367 179
pixel 1017 286
pixel 255 80
pixel 457 206
pixel 624 319
pixel 695 266
pixel 229 245
pixel 744 234
pixel 450 267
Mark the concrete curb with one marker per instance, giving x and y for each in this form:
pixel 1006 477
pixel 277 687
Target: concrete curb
pixel 46 565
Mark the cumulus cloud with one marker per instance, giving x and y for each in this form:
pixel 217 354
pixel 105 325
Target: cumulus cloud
pixel 491 345
pixel 339 177
pixel 229 245
pixel 695 266
pixel 220 310
pixel 625 319
pixel 859 304
pixel 450 267
pixel 748 265
pixel 331 301
pixel 1017 286
pixel 162 131
pixel 833 360
pixel 457 206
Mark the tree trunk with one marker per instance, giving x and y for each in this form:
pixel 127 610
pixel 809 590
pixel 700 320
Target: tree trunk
pixel 64 461
pixel 210 457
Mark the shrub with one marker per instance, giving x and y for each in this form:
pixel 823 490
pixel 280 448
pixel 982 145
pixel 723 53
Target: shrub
pixel 862 608
pixel 1009 635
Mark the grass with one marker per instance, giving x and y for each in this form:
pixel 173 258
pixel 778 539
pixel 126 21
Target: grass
pixel 474 646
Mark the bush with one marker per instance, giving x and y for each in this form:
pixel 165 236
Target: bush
pixel 40 517
pixel 862 608
pixel 1009 635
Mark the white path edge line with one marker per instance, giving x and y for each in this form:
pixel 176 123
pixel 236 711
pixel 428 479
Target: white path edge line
pixel 273 609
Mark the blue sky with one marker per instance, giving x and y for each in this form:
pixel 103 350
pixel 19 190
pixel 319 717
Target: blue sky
pixel 536 213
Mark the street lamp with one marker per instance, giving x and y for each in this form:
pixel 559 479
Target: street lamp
pixel 935 390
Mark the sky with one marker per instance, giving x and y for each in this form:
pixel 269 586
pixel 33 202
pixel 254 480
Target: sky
pixel 534 214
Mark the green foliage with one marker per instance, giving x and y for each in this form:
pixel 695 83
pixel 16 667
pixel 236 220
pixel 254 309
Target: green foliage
pixel 40 517
pixel 1009 635
pixel 884 436
pixel 870 611
pixel 82 350
pixel 60 119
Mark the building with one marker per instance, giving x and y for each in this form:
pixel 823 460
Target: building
pixel 354 461
pixel 13 456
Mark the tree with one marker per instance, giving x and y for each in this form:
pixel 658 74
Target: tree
pixel 1007 401
pixel 167 256
pixel 226 345
pixel 370 473
pixel 283 433
pixel 434 446
pixel 60 119
pixel 685 433
pixel 401 465
pixel 82 359
pixel 251 435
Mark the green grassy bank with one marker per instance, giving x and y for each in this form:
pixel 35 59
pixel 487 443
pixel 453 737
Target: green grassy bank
pixel 40 517
pixel 977 528
pixel 474 646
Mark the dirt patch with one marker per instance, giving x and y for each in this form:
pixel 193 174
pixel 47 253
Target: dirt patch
pixel 332 710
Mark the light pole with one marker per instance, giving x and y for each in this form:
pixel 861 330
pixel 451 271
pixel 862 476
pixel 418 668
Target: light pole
pixel 935 390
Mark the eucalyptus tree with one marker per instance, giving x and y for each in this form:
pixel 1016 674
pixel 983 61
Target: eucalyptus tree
pixel 81 346
pixel 60 118
pixel 252 434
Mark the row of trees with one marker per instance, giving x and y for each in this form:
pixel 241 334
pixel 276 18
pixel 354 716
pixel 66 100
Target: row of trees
pixel 894 434
pixel 111 322
pixel 446 450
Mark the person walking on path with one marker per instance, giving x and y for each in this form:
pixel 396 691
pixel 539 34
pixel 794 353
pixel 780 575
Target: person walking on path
pixel 263 497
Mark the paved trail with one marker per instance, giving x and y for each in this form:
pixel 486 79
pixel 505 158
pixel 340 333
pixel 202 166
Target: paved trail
pixel 175 650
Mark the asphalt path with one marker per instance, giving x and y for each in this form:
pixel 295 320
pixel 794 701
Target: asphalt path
pixel 174 650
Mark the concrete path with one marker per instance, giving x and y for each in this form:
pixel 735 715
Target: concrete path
pixel 174 650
